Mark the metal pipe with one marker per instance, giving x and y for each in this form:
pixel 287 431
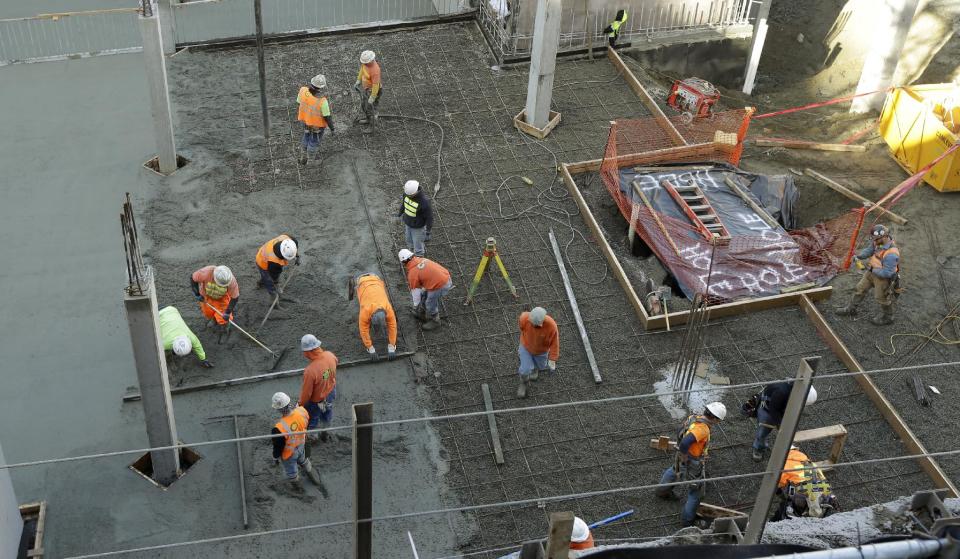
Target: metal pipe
pixel 261 67
pixel 907 549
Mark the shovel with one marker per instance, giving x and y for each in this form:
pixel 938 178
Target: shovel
pixel 276 300
pixel 277 356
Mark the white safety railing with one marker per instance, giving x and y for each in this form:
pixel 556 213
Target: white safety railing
pixel 68 35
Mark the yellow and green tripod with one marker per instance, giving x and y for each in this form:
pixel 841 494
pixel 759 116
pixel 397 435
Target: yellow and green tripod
pixel 490 251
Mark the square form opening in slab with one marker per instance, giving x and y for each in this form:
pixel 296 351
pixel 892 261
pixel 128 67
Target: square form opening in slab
pixel 154 165
pixel 144 465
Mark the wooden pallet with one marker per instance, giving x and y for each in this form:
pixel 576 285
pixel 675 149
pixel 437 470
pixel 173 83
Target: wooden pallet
pixel 35 511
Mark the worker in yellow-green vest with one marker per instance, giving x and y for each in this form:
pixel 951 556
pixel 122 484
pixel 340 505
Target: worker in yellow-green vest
pixel 417 217
pixel 613 30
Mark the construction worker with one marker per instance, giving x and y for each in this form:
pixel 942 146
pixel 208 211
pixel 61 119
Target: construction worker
pixel 613 30
pixel 882 273
pixel 289 448
pixel 539 346
pixel 314 113
pixel 693 441
pixel 417 217
pixel 178 338
pixel 425 275
pixel 369 86
pixel 804 492
pixel 375 309
pixel 215 286
pixel 272 257
pixel 580 536
pixel 769 406
pixel 319 388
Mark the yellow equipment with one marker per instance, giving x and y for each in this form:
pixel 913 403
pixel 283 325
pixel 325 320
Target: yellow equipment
pixel 489 251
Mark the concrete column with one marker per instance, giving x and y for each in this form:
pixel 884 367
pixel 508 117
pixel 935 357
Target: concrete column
pixel 159 95
pixel 756 46
pixel 168 26
pixel 889 33
pixel 154 383
pixel 11 524
pixel 543 60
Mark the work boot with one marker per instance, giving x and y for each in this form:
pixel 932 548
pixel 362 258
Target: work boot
pixel 851 309
pixel 884 317
pixel 433 323
pixel 303 158
pixel 757 455
pixel 311 473
pixel 534 375
pixel 522 389
pixel 312 437
pixel 324 436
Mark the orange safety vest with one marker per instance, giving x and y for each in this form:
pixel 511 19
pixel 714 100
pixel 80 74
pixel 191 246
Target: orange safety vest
pixel 876 261
pixel 293 427
pixel 585 544
pixel 266 255
pixel 809 482
pixel 698 426
pixel 369 75
pixel 311 109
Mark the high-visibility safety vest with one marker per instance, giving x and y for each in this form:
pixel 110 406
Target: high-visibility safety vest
pixel 410 206
pixel 876 261
pixel 369 75
pixel 700 428
pixel 266 255
pixel 213 290
pixel 585 544
pixel 809 482
pixel 293 427
pixel 311 109
pixel 615 25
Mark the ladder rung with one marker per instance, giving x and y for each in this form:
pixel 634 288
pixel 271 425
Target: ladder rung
pixel 685 188
pixel 692 197
pixel 699 208
pixel 714 226
pixel 707 217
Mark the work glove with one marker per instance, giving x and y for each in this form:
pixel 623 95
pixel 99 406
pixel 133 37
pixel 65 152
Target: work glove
pixel 372 350
pixel 206 364
pixel 199 297
pixel 371 99
pixel 391 349
pixel 356 85
pixel 427 235
pixel 552 365
pixel 296 261
pixel 322 406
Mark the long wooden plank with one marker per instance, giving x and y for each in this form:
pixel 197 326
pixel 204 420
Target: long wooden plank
pixel 883 405
pixel 744 306
pixel 665 155
pixel 851 194
pixel 800 144
pixel 645 98
pixel 735 187
pixel 494 432
pixel 243 482
pixel 615 267
pixel 576 309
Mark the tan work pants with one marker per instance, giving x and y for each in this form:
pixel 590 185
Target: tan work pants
pixel 881 288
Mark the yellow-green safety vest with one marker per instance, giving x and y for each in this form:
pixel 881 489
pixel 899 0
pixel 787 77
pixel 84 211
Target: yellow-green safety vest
pixel 410 206
pixel 615 25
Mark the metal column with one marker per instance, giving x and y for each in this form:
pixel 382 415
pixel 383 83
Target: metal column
pixel 543 60
pixel 362 481
pixel 756 46
pixel 156 68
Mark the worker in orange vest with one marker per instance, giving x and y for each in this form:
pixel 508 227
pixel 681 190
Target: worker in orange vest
pixel 539 346
pixel 369 86
pixel 217 292
pixel 803 489
pixel 693 441
pixel 376 310
pixel 425 275
pixel 289 439
pixel 272 257
pixel 314 113
pixel 580 536
pixel 319 388
pixel 882 273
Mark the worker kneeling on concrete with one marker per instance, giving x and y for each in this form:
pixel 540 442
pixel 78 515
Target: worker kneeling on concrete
pixel 369 86
pixel 768 408
pixel 693 441
pixel 580 536
pixel 178 338
pixel 425 275
pixel 217 291
pixel 288 449
pixel 539 346
pixel 375 310
pixel 803 489
pixel 273 257
pixel 314 113
pixel 319 388
pixel 882 273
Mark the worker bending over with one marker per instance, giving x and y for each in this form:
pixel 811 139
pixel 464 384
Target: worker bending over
pixel 768 407
pixel 882 273
pixel 217 291
pixel 613 30
pixel 273 257
pixel 425 275
pixel 319 388
pixel 580 536
pixel 369 86
pixel 376 310
pixel 804 492
pixel 289 448
pixel 417 217
pixel 693 441
pixel 314 113
pixel 539 346
pixel 178 338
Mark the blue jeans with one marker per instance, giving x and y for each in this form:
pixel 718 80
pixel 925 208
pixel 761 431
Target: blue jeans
pixel 416 237
pixel 316 416
pixel 528 361
pixel 433 298
pixel 311 140
pixel 267 280
pixel 760 441
pixel 694 490
pixel 294 463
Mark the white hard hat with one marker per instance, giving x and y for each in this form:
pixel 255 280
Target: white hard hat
pixel 309 342
pixel 367 56
pixel 404 254
pixel 182 346
pixel 319 81
pixel 411 187
pixel 288 249
pixel 717 409
pixel 222 276
pixel 280 401
pixel 811 396
pixel 537 315
pixel 580 531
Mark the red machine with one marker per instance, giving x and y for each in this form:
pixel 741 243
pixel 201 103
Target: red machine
pixel 694 96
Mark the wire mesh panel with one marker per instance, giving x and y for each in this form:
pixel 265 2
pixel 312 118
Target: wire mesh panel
pixel 210 20
pixel 59 36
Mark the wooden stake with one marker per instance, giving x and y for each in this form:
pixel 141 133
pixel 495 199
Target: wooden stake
pixel 834 185
pixel 800 144
pixel 656 217
pixel 492 420
pixel 558 540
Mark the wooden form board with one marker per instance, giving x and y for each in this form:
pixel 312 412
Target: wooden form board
pixel 645 98
pixel 928 464
pixel 834 185
pixel 836 432
pixel 38 511
pixel 801 144
pixel 520 123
